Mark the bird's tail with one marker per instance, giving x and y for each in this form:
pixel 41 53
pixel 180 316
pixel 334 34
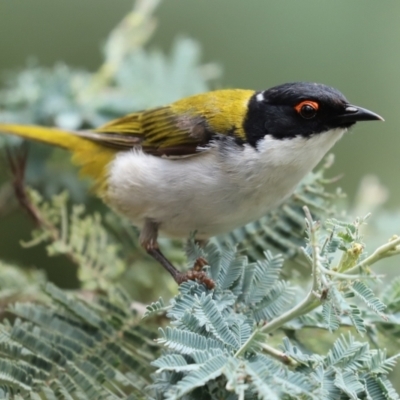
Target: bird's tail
pixel 92 157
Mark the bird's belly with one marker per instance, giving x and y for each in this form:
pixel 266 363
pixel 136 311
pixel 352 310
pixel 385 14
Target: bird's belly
pixel 210 193
pixel 188 195
pixel 212 211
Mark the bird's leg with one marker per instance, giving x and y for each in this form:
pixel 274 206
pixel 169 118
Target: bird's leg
pixel 148 240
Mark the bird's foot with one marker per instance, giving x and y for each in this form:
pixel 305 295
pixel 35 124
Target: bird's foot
pixel 196 274
pixel 199 264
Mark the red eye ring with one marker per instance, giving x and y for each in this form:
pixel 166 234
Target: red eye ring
pixel 307 109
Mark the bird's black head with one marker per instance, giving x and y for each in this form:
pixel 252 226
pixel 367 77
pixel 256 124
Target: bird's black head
pixel 300 109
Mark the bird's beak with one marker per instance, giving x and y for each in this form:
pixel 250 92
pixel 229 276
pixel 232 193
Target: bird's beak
pixel 354 114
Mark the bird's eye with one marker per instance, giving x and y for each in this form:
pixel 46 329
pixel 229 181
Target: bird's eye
pixel 307 109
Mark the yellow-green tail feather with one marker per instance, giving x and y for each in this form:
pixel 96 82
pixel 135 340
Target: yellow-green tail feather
pixel 92 157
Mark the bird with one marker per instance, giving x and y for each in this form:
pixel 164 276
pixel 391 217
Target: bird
pixel 208 163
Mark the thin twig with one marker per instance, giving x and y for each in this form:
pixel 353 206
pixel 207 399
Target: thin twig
pixel 387 250
pixel 279 355
pixel 310 302
pixel 348 276
pixel 17 161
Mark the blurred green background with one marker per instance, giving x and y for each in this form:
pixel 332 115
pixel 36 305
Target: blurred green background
pixel 353 46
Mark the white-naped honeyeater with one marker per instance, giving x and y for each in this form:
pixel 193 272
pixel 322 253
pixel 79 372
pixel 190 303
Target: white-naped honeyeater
pixel 208 163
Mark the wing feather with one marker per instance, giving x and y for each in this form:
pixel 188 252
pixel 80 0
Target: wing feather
pixel 183 128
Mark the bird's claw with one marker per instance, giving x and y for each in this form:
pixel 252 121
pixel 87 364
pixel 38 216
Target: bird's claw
pixel 199 264
pixel 196 274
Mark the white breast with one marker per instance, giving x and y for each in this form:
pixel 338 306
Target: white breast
pixel 214 191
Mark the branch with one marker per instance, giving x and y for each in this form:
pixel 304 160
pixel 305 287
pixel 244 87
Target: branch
pixel 387 250
pixel 17 161
pixel 279 355
pixel 311 301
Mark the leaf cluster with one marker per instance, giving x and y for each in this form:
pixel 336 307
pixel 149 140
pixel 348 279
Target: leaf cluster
pixel 75 347
pixel 219 343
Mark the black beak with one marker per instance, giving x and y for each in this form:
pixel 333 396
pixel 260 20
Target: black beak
pixel 354 114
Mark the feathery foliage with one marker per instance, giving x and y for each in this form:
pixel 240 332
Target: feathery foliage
pixel 82 238
pixel 76 347
pixel 219 343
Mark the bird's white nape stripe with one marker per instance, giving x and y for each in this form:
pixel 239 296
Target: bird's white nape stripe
pixel 260 96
